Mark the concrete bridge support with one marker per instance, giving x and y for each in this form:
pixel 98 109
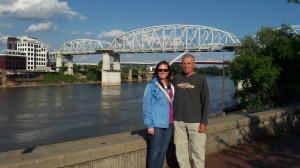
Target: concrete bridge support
pixel 59 59
pixel 111 76
pixel 140 79
pixel 129 79
pixel 69 64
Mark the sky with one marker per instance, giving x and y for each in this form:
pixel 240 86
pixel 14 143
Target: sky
pixel 54 22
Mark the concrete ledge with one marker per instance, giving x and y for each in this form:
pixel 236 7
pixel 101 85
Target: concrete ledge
pixel 130 149
pixel 232 130
pixel 77 152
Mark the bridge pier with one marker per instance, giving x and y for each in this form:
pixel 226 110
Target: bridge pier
pixel 140 79
pixel 129 79
pixel 111 76
pixel 59 59
pixel 69 64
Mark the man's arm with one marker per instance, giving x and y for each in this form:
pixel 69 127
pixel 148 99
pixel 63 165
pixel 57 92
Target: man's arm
pixel 204 102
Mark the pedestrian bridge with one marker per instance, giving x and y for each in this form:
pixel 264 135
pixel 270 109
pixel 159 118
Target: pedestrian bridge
pixel 164 38
pixel 155 39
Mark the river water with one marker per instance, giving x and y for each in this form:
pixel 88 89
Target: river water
pixel 33 116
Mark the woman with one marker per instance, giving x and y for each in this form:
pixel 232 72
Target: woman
pixel 158 113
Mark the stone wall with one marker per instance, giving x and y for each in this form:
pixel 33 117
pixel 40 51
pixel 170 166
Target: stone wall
pixel 130 149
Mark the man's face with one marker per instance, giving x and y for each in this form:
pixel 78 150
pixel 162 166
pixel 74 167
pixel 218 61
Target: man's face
pixel 188 65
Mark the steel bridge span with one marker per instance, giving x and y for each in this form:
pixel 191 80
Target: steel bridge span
pixel 155 39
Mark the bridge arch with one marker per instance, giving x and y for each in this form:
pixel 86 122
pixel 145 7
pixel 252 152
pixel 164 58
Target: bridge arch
pixel 174 38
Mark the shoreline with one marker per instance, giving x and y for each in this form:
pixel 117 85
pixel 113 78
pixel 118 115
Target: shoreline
pixel 13 85
pixel 50 84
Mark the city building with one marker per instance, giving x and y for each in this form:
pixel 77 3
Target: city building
pixel 13 60
pixel 25 53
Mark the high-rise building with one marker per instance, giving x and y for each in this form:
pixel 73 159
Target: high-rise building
pixel 25 53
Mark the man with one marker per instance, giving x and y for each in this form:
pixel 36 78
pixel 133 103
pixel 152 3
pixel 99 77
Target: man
pixel 191 107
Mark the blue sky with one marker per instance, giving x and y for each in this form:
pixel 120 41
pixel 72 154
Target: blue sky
pixel 57 21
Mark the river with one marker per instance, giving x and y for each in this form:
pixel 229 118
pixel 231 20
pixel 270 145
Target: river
pixel 33 116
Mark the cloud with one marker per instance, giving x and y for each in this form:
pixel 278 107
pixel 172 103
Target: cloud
pixel 88 33
pixel 75 32
pixel 41 27
pixel 110 34
pixel 82 17
pixel 37 10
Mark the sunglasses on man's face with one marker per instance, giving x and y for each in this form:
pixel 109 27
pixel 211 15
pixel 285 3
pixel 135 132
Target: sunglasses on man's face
pixel 163 70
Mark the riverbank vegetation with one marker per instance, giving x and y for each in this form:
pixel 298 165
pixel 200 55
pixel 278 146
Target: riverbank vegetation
pixel 92 73
pixel 207 70
pixel 267 67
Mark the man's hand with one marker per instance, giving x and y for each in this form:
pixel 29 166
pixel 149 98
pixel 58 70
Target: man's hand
pixel 202 128
pixel 151 131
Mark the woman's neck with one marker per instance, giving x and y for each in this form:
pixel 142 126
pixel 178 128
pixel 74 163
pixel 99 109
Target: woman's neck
pixel 164 82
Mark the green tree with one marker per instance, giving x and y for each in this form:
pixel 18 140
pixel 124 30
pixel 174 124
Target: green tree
pixel 294 1
pixel 267 65
pixel 100 63
pixel 284 47
pixel 63 68
pixel 255 72
pixel 176 68
pixel 124 73
pixel 257 76
pixel 93 73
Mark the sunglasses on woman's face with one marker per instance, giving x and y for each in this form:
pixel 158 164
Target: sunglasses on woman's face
pixel 163 70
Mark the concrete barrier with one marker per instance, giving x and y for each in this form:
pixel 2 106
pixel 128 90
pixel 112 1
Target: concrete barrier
pixel 130 149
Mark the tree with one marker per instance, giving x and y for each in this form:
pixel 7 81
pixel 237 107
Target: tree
pixel 267 65
pixel 255 72
pixel 258 77
pixel 100 63
pixel 294 1
pixel 283 45
pixel 176 68
pixel 63 68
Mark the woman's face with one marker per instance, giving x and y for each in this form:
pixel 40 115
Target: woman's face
pixel 163 71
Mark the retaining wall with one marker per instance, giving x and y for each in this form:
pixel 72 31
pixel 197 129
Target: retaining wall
pixel 129 150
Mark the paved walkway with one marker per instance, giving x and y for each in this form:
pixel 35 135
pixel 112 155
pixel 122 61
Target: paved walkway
pixel 281 151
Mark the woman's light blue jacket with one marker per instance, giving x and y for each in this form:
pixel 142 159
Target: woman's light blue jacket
pixel 155 106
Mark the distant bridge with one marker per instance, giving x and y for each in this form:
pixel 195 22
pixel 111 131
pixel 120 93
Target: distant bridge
pixel 156 39
pixel 164 38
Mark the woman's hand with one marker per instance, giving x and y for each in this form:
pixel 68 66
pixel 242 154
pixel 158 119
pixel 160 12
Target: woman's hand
pixel 151 131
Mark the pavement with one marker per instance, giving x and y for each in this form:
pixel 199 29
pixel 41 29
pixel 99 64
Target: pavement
pixel 280 151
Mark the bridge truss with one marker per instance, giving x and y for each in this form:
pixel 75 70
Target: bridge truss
pixel 174 38
pixel 82 46
pixel 164 38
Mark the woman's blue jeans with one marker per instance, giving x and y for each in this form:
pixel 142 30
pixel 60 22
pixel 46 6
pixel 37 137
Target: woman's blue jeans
pixel 159 143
